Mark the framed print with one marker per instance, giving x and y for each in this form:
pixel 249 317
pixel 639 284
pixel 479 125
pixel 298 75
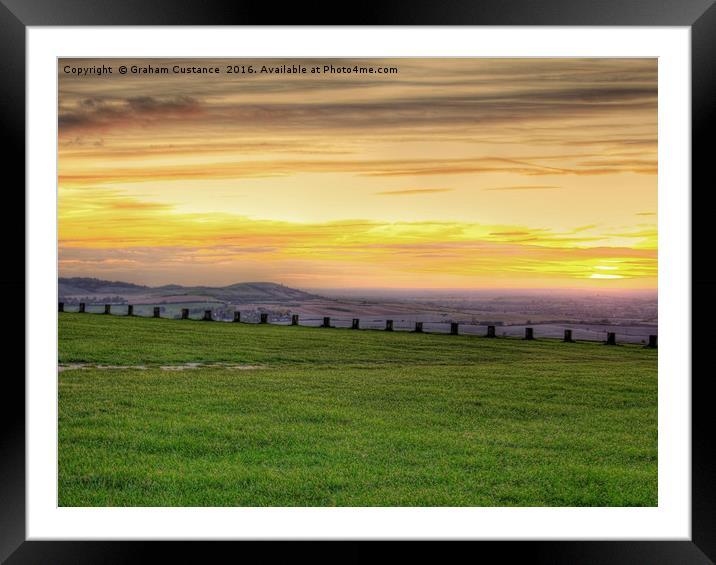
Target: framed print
pixel 420 276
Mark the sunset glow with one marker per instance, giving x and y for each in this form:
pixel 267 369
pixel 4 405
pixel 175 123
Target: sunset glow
pixel 452 173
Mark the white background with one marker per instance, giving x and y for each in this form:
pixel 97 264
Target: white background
pixel 670 520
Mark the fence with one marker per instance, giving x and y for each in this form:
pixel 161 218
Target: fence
pixel 550 331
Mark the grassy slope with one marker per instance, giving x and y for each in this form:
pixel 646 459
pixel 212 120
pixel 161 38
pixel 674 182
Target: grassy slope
pixel 340 417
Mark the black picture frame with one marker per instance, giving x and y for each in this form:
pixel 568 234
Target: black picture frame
pixel 699 15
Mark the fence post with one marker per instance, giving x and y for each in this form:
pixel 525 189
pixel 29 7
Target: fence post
pixel 237 316
pixel 389 325
pixel 490 331
pixel 568 336
pixel 529 333
pixel 185 313
pixel 326 322
pixel 453 328
pixel 418 327
pixel 611 338
pixel 355 325
pixel 294 319
pixel 156 311
pixel 207 316
pixel 263 318
pixel 652 341
pixel 82 307
pixel 130 310
pixel 107 308
pixel 61 307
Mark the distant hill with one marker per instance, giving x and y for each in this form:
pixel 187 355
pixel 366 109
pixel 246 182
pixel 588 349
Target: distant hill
pixel 80 285
pixel 236 293
pixel 246 292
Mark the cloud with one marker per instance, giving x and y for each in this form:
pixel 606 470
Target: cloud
pixel 131 204
pixel 365 167
pixel 510 233
pixel 101 114
pixel 441 94
pixel 85 147
pixel 414 191
pixel 522 187
pixel 407 113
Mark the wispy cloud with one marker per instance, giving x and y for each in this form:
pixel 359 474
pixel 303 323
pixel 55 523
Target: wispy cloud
pixel 410 191
pixel 522 187
pixel 367 167
pixel 99 114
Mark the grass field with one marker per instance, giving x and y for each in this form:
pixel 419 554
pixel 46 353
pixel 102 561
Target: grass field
pixel 297 416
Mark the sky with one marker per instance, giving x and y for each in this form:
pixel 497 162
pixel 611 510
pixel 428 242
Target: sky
pixel 451 173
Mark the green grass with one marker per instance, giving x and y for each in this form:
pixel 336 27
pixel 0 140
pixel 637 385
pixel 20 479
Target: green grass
pixel 350 418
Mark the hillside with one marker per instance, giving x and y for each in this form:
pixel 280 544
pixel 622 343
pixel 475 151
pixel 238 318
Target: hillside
pixel 248 292
pixel 89 286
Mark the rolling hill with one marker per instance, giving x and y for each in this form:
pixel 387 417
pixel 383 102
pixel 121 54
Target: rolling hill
pixel 248 292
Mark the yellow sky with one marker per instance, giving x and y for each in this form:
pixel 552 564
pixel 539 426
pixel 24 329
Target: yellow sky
pixel 452 173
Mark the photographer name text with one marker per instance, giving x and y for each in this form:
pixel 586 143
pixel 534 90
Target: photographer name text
pixel 252 69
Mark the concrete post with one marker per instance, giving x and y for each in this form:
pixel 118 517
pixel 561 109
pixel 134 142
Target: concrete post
pixel 652 341
pixel 418 327
pixel 61 307
pixel 529 333
pixel 156 311
pixel 453 328
pixel 611 338
pixel 185 313
pixel 294 319
pixel 263 318
pixel 237 316
pixel 490 331
pixel 107 308
pixel 207 316
pixel 130 310
pixel 568 336
pixel 355 325
pixel 326 322
pixel 82 307
pixel 389 325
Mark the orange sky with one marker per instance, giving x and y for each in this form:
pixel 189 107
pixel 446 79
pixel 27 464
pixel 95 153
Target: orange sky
pixel 452 173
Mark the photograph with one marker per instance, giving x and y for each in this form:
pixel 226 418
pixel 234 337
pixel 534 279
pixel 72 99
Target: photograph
pixel 357 282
